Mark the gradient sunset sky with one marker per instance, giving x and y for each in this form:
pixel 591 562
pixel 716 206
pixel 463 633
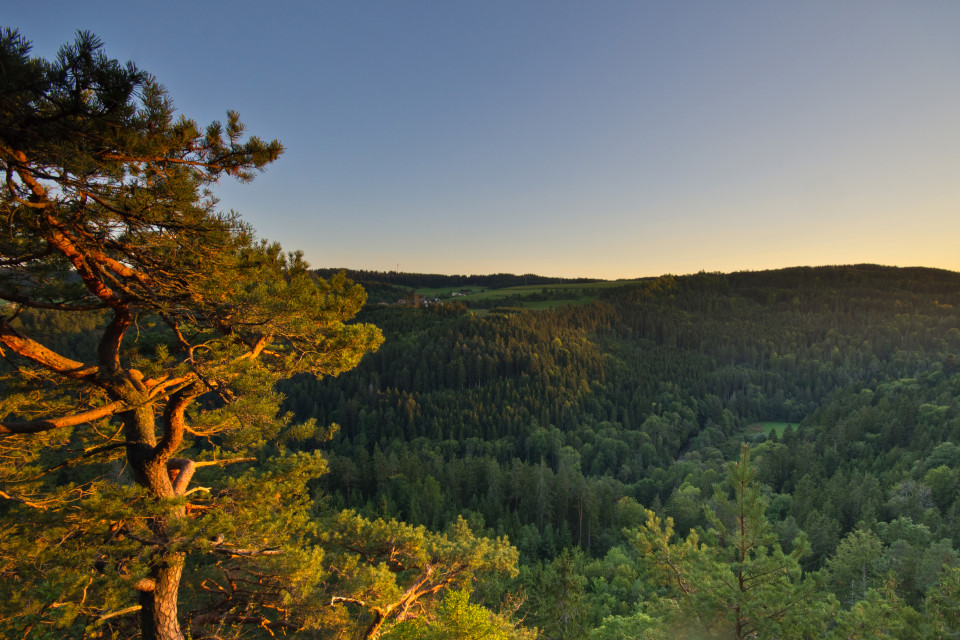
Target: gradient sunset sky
pixel 590 139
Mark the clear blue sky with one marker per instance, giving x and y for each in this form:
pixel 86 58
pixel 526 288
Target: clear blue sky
pixel 602 139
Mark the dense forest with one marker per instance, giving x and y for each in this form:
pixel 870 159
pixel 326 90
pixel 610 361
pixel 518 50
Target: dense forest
pixel 558 428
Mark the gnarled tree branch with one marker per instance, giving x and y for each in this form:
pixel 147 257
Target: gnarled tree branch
pixel 61 422
pixel 46 358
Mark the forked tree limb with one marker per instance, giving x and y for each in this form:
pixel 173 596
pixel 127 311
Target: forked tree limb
pixel 185 469
pixel 174 422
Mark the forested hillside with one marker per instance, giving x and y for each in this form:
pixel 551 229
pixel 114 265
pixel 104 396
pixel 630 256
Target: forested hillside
pixel 558 427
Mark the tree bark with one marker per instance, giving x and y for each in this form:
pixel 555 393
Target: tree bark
pixel 159 604
pixel 158 607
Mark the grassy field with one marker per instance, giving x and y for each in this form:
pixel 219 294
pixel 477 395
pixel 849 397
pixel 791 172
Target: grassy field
pixel 767 427
pixel 437 292
pixel 530 296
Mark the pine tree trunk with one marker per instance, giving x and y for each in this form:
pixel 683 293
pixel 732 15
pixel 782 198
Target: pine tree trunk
pixel 158 598
pixel 158 612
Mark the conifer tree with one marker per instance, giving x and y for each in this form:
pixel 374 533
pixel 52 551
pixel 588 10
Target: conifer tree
pixel 108 222
pixel 739 584
pixel 386 572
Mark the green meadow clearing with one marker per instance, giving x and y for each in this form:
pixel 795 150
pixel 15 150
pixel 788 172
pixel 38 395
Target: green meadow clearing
pixel 530 296
pixel 768 427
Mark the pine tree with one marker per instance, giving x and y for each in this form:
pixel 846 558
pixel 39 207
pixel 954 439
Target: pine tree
pixel 737 582
pixel 386 572
pixel 109 222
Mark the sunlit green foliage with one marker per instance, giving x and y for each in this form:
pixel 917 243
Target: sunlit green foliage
pixel 456 618
pixel 383 572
